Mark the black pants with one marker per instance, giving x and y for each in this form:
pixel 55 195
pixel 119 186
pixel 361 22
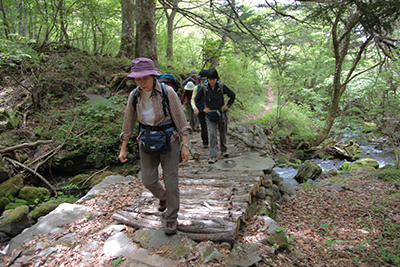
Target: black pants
pixel 203 126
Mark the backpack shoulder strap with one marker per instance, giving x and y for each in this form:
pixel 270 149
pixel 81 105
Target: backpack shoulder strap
pixel 205 93
pixel 165 100
pixel 135 97
pixel 221 86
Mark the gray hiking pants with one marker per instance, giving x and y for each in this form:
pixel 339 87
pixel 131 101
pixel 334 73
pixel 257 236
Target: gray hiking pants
pixel 222 127
pixel 150 177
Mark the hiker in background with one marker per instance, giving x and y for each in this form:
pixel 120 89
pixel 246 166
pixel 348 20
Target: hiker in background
pixel 199 113
pixel 187 96
pixel 210 99
pixel 192 77
pixel 149 110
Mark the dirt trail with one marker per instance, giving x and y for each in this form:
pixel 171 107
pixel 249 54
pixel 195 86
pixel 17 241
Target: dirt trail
pixel 269 103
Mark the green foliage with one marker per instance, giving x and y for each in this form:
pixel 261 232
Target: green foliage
pixel 390 174
pixel 13 118
pixel 116 262
pixel 16 52
pixel 241 82
pixel 293 120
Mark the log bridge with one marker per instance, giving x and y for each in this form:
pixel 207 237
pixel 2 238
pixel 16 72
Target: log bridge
pixel 214 201
pixel 214 204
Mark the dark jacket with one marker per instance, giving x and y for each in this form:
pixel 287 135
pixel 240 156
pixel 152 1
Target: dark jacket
pixel 214 98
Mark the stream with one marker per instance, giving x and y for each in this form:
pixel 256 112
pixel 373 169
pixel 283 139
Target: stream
pixel 369 150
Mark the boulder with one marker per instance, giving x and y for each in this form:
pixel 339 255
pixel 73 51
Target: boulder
pixel 366 163
pixel 43 209
pixel 15 221
pixel 307 171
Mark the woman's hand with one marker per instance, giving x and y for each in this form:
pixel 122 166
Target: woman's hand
pixel 206 110
pixel 122 154
pixel 196 111
pixel 185 154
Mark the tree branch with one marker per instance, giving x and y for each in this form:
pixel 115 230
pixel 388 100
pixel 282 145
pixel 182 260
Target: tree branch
pixel 34 172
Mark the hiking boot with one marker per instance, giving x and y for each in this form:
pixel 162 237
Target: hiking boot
pixel 212 160
pixel 170 228
pixel 205 146
pixel 162 205
pixel 226 154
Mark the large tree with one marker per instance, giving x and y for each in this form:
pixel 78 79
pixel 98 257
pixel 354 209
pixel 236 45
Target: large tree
pixel 128 29
pixel 170 25
pixel 146 41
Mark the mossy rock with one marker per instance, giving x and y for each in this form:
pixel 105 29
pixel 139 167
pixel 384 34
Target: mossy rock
pixel 13 205
pixel 12 186
pixel 78 179
pixel 43 209
pixel 3 203
pixel 100 177
pixel 366 163
pixel 321 155
pixel 278 240
pixel 16 221
pixel 34 195
pixel 345 167
pixel 307 170
pixel 282 158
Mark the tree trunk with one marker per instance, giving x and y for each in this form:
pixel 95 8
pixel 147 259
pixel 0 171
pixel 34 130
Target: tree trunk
pixel 5 23
pixel 127 47
pixel 63 24
pixel 341 44
pixel 146 41
pixel 170 28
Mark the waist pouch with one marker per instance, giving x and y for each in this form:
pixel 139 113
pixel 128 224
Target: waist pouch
pixel 157 139
pixel 214 115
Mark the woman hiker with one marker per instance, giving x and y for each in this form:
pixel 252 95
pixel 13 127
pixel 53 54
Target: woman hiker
pixel 147 106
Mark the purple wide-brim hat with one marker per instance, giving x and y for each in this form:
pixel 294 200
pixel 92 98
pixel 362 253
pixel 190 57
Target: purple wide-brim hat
pixel 142 66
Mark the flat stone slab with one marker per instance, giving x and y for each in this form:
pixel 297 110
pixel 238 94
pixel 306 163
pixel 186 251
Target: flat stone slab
pixel 251 161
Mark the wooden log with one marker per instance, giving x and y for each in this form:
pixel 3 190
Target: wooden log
pixel 220 237
pixel 134 220
pixel 197 231
pixel 246 198
pixel 192 151
pixel 212 226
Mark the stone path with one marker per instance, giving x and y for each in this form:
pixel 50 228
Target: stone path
pixel 215 198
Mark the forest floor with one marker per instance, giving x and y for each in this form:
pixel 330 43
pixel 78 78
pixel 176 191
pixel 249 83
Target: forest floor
pixel 357 227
